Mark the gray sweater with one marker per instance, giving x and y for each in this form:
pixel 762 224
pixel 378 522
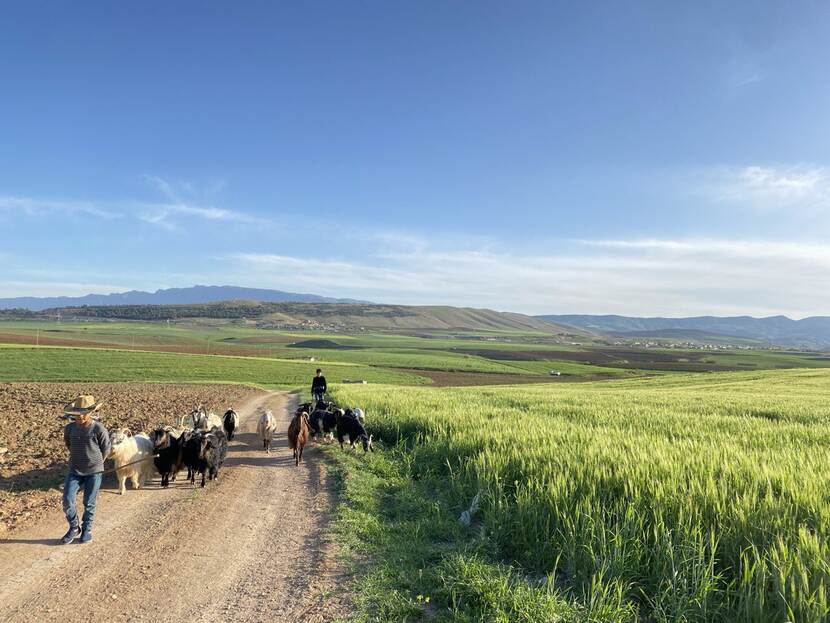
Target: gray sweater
pixel 88 447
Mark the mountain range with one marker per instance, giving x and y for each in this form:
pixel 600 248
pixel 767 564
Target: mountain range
pixel 170 296
pixel 812 332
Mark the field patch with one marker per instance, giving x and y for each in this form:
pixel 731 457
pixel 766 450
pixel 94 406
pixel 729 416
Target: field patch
pixel 412 359
pixel 71 364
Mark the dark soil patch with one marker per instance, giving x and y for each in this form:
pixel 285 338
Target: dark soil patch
pixel 327 344
pixel 444 378
pixel 265 340
pixel 603 357
pixel 628 359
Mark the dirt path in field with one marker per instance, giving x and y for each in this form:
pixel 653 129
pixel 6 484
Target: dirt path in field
pixel 245 548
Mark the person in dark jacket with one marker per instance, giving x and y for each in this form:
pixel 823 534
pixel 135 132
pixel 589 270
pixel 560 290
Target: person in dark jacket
pixel 318 386
pixel 89 444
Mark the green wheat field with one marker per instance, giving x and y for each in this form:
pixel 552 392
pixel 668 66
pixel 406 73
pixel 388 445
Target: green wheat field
pixel 681 498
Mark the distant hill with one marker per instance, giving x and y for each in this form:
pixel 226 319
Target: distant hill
pixel 337 316
pixel 813 332
pixel 170 296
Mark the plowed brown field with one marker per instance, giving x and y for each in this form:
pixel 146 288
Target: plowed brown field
pixel 32 468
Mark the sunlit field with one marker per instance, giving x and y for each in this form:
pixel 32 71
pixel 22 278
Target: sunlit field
pixel 680 498
pixel 95 364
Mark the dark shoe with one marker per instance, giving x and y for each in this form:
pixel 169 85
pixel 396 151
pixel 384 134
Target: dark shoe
pixel 73 533
pixel 86 537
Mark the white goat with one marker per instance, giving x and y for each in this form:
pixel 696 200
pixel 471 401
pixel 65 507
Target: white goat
pixel 133 456
pixel 265 428
pixel 213 420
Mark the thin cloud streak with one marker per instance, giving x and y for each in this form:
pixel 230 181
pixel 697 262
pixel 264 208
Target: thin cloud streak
pixel 745 249
pixel 793 188
pixel 654 277
pixel 36 207
pixel 166 215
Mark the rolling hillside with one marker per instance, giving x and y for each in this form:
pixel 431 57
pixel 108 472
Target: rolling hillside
pixel 325 316
pixel 813 332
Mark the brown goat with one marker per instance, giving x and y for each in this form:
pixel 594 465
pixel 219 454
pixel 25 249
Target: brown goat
pixel 298 435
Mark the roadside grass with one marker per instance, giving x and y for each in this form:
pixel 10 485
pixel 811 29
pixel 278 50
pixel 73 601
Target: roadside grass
pixel 92 364
pixel 684 497
pixel 412 560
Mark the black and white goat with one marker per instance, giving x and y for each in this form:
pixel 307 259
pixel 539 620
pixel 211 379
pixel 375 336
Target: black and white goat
pixel 230 422
pixel 323 422
pixel 349 424
pixel 200 419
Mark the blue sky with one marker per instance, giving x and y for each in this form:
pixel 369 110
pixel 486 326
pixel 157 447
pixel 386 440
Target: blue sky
pixel 634 157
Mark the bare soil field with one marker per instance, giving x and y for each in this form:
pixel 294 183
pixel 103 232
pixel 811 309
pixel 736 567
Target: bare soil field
pixel 678 361
pixel 444 378
pixel 249 547
pixel 32 468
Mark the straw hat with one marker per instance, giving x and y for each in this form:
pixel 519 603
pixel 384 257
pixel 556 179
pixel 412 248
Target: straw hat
pixel 82 405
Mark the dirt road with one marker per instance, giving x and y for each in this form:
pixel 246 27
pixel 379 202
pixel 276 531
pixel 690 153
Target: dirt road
pixel 246 548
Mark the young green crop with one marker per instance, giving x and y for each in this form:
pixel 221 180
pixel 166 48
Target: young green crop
pixel 680 498
pixel 94 364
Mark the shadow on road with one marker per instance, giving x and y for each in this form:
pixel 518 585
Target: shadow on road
pixel 55 541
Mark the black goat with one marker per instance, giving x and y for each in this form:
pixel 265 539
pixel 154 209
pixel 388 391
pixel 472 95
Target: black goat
pixel 223 446
pixel 191 442
pixel 230 422
pixel 213 448
pixel 168 450
pixel 348 424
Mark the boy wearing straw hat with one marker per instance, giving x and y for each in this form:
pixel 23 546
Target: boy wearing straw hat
pixel 89 444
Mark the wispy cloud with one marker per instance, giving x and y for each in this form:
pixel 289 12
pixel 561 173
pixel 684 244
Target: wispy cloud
pixel 169 215
pixel 37 206
pixel 734 249
pixel 804 188
pixel 181 203
pixel 666 277
pixel 740 73
pixel 185 200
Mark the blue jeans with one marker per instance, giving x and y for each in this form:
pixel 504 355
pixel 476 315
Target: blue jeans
pixel 71 486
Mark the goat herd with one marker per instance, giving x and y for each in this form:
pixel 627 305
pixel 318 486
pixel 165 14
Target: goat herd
pixel 326 418
pixel 200 442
